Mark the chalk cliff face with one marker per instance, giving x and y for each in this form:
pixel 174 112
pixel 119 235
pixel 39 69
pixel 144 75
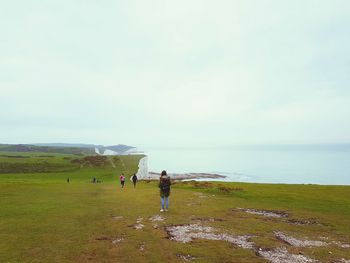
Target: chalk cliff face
pixel 121 148
pixel 109 152
pixel 115 150
pixel 142 172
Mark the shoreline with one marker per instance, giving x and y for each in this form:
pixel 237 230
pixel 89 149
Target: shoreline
pixel 185 176
pixel 144 174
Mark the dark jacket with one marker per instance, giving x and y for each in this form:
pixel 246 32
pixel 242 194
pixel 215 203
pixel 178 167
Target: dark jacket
pixel 164 186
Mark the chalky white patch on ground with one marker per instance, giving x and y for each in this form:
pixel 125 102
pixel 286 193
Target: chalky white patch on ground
pixel 185 257
pixel 200 195
pixel 342 245
pixel 281 255
pixel 157 218
pixel 139 224
pixel 194 203
pixel 186 233
pixel 298 242
pixel 142 247
pixel 206 219
pixel 267 213
pixel 343 260
pixel 118 240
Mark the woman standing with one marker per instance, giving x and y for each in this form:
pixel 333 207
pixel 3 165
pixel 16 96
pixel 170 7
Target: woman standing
pixel 122 180
pixel 134 180
pixel 164 186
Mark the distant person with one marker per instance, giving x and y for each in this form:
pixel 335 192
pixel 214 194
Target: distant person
pixel 134 180
pixel 94 180
pixel 122 180
pixel 164 186
pixel 68 180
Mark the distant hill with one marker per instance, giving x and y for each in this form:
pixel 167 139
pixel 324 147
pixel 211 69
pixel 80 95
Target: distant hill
pixel 69 148
pixel 113 149
pixel 108 150
pixel 46 149
pixel 76 145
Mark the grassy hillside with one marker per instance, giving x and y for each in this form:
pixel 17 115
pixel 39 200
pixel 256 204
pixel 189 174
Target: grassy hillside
pixel 22 148
pixel 45 219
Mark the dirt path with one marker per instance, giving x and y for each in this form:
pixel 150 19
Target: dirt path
pixel 110 159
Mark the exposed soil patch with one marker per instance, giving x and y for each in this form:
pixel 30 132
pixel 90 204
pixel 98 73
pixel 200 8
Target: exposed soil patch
pixel 281 255
pixel 117 217
pixel 103 238
pixel 226 189
pixel 266 213
pixel 186 233
pixel 303 222
pixel 298 242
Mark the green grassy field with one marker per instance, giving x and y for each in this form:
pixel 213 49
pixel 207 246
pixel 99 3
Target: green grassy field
pixel 45 219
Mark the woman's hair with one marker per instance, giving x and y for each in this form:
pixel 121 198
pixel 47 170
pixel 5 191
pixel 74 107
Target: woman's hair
pixel 163 173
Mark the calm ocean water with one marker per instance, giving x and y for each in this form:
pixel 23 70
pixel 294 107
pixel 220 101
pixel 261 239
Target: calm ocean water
pixel 264 164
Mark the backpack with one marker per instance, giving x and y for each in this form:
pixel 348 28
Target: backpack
pixel 165 186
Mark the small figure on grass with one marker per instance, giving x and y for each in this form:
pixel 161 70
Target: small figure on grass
pixel 122 180
pixel 68 180
pixel 164 186
pixel 134 180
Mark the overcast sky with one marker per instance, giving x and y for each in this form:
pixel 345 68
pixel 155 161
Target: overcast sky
pixel 175 73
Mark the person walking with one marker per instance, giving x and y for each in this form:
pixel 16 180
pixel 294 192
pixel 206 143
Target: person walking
pixel 164 186
pixel 134 180
pixel 122 180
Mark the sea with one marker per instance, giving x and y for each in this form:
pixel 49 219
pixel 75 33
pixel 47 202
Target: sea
pixel 290 164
